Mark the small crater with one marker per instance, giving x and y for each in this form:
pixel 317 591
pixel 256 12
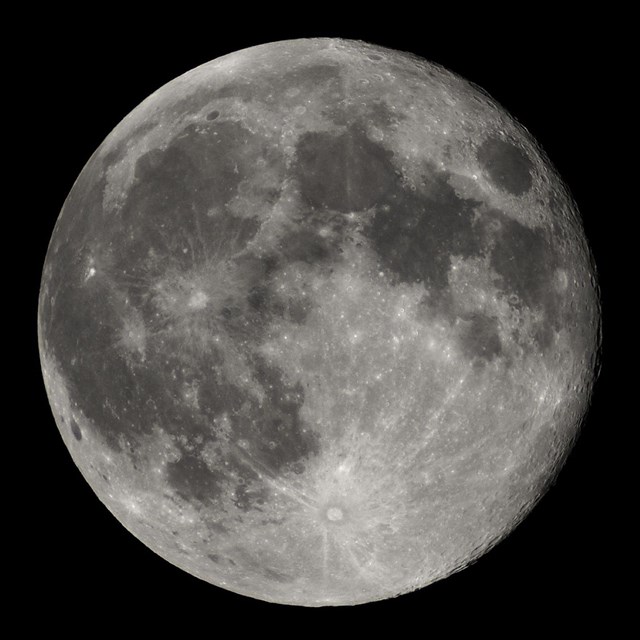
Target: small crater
pixel 335 514
pixel 213 114
pixel 297 468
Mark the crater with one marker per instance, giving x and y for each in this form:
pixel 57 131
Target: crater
pixel 198 300
pixel 335 514
pixel 75 430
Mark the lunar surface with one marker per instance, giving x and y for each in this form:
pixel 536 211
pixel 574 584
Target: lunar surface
pixel 318 322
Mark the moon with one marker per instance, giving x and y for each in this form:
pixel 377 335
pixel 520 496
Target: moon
pixel 319 323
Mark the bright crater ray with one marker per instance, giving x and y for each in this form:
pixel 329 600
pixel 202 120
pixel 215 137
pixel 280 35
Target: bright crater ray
pixel 318 322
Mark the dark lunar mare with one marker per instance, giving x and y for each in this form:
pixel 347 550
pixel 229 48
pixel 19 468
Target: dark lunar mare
pixel 416 232
pixel 175 217
pixel 343 172
pixel 507 165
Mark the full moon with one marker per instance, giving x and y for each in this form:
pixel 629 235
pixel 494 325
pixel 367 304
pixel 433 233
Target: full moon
pixel 318 322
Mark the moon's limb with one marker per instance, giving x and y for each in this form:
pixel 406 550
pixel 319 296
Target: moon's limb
pixel 318 322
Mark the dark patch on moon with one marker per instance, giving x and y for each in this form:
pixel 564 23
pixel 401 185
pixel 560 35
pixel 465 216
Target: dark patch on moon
pixel 480 338
pixel 125 402
pixel 525 260
pixel 196 171
pixel 266 303
pixel 95 371
pixel 251 497
pixel 236 90
pixel 277 576
pixel 305 245
pixel 274 429
pixel 506 164
pixel 297 309
pixel 75 430
pixel 192 479
pixel 342 172
pixel 216 396
pixel 164 223
pixel 271 85
pixel 309 77
pixel 221 560
pixel 378 113
pixel 416 233
pixel 260 299
pixel 214 526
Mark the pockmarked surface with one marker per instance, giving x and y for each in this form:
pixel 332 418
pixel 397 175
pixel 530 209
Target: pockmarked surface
pixel 318 322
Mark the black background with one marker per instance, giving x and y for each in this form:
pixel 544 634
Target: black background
pixel 562 565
